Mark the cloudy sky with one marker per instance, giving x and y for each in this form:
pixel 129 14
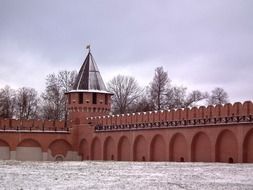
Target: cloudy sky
pixel 201 44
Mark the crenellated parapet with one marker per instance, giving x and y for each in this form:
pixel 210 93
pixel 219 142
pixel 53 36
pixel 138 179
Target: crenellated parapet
pixel 196 116
pixel 32 125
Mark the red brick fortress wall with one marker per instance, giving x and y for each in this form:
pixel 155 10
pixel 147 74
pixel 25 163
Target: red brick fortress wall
pixel 222 133
pixel 36 140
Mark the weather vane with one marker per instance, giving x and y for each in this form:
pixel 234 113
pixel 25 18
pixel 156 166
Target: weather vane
pixel 88 47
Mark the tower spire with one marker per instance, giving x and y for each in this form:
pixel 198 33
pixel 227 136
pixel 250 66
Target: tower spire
pixel 89 78
pixel 88 47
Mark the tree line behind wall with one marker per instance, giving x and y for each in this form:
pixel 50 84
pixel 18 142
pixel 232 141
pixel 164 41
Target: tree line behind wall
pixel 27 103
pixel 159 94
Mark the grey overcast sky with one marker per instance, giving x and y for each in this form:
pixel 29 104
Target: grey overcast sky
pixel 201 44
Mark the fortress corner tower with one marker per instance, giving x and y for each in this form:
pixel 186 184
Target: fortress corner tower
pixel 89 96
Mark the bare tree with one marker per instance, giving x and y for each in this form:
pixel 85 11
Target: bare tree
pixel 7 102
pixel 126 91
pixel 54 100
pixel 143 103
pixel 194 97
pixel 175 97
pixel 67 80
pixel 158 87
pixel 26 103
pixel 218 96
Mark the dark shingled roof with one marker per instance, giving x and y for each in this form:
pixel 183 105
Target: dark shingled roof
pixel 89 78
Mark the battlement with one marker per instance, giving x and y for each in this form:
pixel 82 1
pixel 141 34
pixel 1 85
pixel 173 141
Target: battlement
pixel 32 125
pixel 202 115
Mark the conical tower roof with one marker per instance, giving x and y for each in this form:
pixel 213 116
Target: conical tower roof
pixel 89 78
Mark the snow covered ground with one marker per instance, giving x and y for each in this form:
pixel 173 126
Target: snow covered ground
pixel 124 175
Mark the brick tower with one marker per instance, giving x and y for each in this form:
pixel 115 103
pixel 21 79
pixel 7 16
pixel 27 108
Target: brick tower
pixel 89 96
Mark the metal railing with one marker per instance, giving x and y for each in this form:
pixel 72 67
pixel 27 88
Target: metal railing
pixel 173 124
pixel 34 129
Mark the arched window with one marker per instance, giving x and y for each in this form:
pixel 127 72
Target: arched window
pixel 80 98
pixel 94 98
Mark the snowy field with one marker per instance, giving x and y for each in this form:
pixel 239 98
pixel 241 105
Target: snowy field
pixel 124 175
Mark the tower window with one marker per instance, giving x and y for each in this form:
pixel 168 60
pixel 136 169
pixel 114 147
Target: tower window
pixel 106 99
pixel 94 98
pixel 69 96
pixel 80 98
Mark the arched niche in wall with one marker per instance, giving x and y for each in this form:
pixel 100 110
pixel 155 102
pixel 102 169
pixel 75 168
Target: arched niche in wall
pixel 248 147
pixel 178 148
pixel 124 149
pixel 109 149
pixel 201 148
pixel 84 150
pixel 158 149
pixel 140 149
pixel 96 150
pixel 60 147
pixel 4 150
pixel 29 150
pixel 226 148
